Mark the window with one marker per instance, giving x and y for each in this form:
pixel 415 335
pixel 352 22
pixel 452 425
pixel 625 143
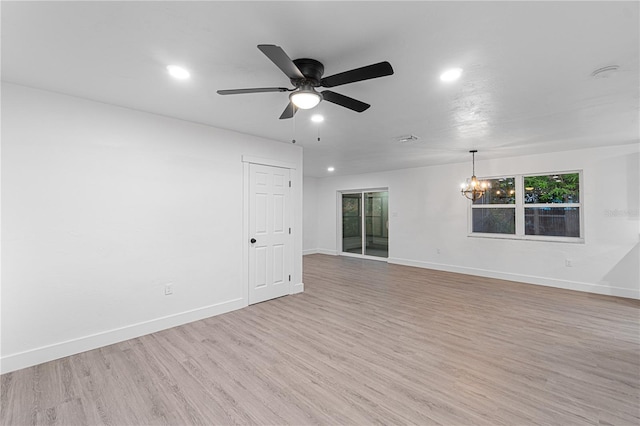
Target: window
pixel 551 205
pixel 494 212
pixel 537 206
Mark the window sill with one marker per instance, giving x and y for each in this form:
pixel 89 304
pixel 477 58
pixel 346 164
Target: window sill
pixel 570 240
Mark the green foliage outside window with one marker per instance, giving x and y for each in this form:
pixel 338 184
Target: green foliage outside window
pixel 552 189
pixel 351 216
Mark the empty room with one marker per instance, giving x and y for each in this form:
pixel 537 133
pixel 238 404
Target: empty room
pixel 320 212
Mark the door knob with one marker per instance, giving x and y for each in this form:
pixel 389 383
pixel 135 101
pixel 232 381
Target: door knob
pixel 253 240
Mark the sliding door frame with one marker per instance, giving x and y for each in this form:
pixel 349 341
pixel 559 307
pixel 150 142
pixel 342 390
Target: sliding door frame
pixel 339 245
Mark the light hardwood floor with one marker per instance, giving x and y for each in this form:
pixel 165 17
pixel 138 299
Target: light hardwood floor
pixel 366 343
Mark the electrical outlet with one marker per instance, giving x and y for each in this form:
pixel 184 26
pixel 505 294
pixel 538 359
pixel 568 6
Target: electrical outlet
pixel 568 263
pixel 438 251
pixel 168 289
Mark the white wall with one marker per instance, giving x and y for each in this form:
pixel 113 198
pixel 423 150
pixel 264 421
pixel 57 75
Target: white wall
pixel 102 206
pixel 310 216
pixel 428 213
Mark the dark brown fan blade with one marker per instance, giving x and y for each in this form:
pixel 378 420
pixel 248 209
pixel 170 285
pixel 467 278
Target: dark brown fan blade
pixel 380 69
pixel 256 90
pixel 344 101
pixel 289 111
pixel 281 59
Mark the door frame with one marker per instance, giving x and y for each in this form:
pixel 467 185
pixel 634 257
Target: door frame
pixel 246 192
pixel 339 221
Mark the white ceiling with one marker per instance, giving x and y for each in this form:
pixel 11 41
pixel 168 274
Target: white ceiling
pixel 526 87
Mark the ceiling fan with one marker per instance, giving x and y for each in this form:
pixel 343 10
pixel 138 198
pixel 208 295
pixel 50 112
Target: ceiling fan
pixel 306 74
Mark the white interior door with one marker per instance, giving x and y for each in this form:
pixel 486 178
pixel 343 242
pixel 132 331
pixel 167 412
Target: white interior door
pixel 269 233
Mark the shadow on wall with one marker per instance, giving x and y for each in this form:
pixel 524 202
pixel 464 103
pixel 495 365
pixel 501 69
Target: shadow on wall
pixel 626 273
pixel 633 167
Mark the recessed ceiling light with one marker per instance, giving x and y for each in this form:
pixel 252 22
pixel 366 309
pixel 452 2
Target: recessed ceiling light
pixel 317 118
pixel 178 72
pixel 330 169
pixel 451 74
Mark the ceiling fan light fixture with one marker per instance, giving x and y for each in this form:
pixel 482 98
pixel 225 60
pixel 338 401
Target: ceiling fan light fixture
pixel 305 98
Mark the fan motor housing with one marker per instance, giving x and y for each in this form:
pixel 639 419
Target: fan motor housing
pixel 311 69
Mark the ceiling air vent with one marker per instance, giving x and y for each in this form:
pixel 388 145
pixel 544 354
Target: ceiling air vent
pixel 407 139
pixel 605 72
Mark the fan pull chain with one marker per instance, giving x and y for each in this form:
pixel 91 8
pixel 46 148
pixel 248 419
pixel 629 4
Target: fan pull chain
pixel 318 133
pixel 293 140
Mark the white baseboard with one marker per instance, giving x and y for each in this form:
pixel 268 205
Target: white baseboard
pixel 527 279
pixel 320 251
pixel 325 251
pixel 297 288
pixel 47 353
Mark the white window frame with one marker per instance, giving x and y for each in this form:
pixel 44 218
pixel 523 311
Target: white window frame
pixel 520 206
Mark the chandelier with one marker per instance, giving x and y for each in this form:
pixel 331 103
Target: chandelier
pixel 473 189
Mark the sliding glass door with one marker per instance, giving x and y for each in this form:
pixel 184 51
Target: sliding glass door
pixel 365 223
pixel 352 223
pixel 376 238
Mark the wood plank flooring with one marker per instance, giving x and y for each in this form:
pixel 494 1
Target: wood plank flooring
pixel 366 343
